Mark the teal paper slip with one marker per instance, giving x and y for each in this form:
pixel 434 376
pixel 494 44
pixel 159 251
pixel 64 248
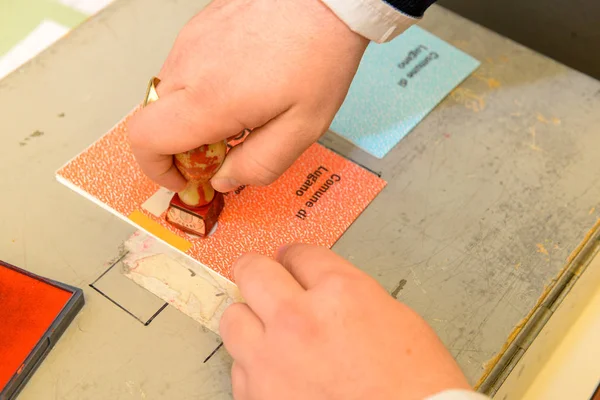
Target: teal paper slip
pixel 396 86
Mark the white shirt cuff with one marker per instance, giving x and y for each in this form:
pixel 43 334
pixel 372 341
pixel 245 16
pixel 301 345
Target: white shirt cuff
pixel 458 395
pixel 374 19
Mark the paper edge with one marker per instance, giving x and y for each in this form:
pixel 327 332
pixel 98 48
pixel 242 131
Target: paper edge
pixel 62 180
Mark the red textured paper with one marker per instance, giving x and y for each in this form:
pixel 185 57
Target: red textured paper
pixel 27 309
pixel 258 219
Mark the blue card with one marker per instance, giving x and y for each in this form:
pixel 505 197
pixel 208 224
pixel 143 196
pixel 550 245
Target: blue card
pixel 396 86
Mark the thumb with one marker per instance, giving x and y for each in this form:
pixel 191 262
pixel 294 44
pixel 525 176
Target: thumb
pixel 178 121
pixel 266 154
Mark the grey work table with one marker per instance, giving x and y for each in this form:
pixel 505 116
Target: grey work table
pixel 485 200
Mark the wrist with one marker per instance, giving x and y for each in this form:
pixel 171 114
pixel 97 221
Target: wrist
pixel 375 20
pixel 330 28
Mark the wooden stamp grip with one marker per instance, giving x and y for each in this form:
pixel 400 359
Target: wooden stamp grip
pixel 198 166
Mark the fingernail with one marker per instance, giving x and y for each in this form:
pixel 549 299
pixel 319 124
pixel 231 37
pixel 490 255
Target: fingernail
pixel 177 187
pixel 224 184
pixel 174 187
pixel 280 251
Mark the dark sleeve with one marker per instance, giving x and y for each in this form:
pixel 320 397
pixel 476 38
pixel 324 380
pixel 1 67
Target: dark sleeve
pixel 413 8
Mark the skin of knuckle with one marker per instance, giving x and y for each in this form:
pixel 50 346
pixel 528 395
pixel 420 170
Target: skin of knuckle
pixel 239 382
pixel 262 173
pixel 350 288
pixel 237 375
pixel 135 134
pixel 186 40
pixel 228 319
pixel 204 89
pixel 337 282
pixel 293 257
pixel 320 113
pixel 243 264
pixel 264 178
pixel 311 131
pixel 293 319
pixel 321 125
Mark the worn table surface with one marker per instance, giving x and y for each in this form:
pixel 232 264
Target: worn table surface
pixel 486 198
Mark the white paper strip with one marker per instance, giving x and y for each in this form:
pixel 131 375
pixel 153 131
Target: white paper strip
pixel 158 202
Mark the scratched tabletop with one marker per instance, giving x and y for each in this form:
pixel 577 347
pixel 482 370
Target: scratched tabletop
pixel 485 200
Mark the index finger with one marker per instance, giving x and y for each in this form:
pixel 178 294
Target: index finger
pixel 180 121
pixel 160 168
pixel 310 264
pixel 172 123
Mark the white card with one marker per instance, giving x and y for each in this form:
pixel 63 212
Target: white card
pixel 45 34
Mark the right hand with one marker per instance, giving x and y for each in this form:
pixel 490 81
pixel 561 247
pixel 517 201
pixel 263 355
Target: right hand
pixel 281 68
pixel 315 327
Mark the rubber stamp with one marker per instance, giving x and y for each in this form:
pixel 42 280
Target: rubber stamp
pixel 196 208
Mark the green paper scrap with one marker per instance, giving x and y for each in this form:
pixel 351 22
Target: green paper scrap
pixel 20 17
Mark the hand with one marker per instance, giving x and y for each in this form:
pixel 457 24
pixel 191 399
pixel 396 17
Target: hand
pixel 317 328
pixel 281 68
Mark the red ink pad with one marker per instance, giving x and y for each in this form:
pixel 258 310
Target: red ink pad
pixel 34 312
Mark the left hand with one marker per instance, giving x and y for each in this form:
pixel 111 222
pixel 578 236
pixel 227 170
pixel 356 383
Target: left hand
pixel 317 328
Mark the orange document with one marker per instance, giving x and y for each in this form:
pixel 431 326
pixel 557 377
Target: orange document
pixel 314 202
